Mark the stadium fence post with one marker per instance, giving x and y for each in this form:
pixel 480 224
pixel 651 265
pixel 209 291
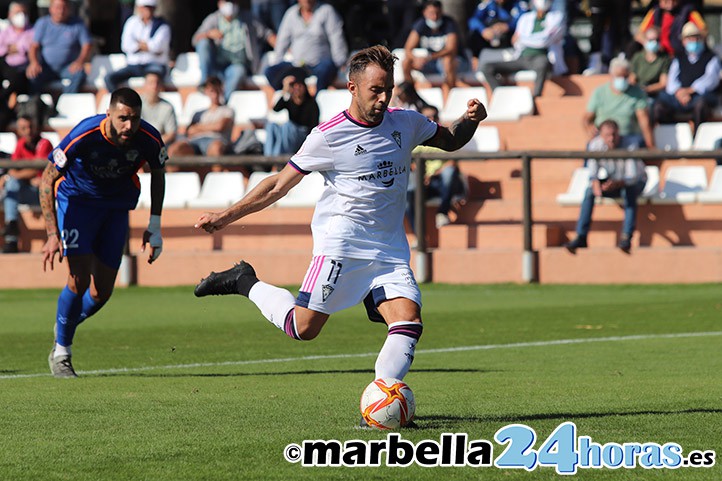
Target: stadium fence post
pixel 422 256
pixel 528 259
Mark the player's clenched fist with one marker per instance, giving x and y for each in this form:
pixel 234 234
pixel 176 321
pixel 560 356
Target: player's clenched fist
pixel 475 110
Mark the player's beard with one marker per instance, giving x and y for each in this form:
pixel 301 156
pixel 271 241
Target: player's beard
pixel 117 138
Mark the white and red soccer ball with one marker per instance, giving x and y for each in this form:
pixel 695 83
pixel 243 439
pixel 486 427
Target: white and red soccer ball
pixel 387 403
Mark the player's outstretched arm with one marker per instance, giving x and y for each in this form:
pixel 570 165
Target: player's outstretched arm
pixel 462 130
pixel 152 234
pixel 264 194
pixel 47 204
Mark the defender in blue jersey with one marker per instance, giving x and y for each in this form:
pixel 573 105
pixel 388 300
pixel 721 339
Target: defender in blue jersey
pixel 86 192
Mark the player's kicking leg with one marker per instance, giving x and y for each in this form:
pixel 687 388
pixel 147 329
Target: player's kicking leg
pixel 276 304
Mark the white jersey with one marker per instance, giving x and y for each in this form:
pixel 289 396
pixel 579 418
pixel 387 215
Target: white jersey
pixel 366 169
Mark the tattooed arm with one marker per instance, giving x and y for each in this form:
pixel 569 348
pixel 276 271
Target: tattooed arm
pixel 461 131
pixel 47 204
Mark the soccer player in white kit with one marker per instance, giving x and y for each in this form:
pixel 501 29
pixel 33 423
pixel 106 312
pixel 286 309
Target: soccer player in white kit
pixel 360 249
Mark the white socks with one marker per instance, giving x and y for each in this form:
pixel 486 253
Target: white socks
pixel 397 353
pixel 273 302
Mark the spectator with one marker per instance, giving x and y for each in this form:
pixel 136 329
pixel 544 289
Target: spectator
pixel 538 34
pixel 313 33
pixel 303 115
pixel 61 46
pixel 270 12
pixel 408 98
pixel 693 78
pixel 228 43
pixel 624 103
pixel 401 16
pixel 146 44
pixel 209 132
pixel 156 111
pixel 15 42
pixel 438 34
pixel 490 26
pixel 611 178
pixel 442 179
pixel 609 18
pixel 669 16
pixel 21 185
pixel 649 67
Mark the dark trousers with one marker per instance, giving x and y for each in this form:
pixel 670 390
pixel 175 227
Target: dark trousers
pixel 538 63
pixel 667 107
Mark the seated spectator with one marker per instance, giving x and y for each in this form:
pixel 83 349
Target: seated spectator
pixel 313 34
pixel 623 178
pixel 15 42
pixel 538 33
pixel 438 34
pixel 61 46
pixel 625 104
pixel 406 97
pixel 156 111
pixel 693 78
pixel 610 22
pixel 270 12
pixel 21 185
pixel 209 132
pixel 442 179
pixel 145 41
pixel 303 115
pixel 490 26
pixel 650 66
pixel 669 16
pixel 229 45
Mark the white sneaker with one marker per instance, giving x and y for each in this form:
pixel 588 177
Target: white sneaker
pixel 61 366
pixel 595 65
pixel 442 220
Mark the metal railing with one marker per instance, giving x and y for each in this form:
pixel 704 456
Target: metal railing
pixel 529 260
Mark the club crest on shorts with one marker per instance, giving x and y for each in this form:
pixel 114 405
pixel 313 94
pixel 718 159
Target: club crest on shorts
pixel 397 137
pixel 326 291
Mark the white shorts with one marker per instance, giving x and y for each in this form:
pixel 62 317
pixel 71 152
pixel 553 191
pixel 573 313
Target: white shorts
pixel 332 285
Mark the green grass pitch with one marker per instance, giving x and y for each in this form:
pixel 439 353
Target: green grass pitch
pixel 178 388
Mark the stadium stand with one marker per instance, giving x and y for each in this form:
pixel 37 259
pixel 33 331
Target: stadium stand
pixel 707 134
pixel 180 189
pixel 508 104
pixel 306 194
pixel 713 194
pixel 681 184
pixel 72 108
pixel 250 106
pixel 455 105
pixel 218 191
pixel 673 136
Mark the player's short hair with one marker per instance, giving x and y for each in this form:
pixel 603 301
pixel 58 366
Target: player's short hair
pixel 378 54
pixel 126 96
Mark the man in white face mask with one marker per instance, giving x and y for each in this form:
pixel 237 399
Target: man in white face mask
pixel 624 103
pixel 14 45
pixel 438 35
pixel 229 43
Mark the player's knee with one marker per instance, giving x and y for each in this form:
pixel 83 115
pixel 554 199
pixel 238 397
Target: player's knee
pixel 307 332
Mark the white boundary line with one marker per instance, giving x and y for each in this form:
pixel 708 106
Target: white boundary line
pixel 516 345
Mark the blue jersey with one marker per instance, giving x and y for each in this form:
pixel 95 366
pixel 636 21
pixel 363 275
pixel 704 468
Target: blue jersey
pixel 487 14
pixel 95 169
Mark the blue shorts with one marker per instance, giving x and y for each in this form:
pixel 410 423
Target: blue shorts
pixel 87 228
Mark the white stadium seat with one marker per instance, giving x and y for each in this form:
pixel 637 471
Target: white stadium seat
pixel 195 102
pixel 713 194
pixel 219 190
pixel 707 134
pixel 8 141
pixel 673 136
pixel 144 199
pixel 651 188
pixel 433 96
pixel 187 70
pixel 181 188
pixel 249 106
pixel 681 185
pixel 254 179
pixel 485 139
pixel 331 102
pixel 576 189
pixel 72 108
pixel 306 193
pixel 104 103
pixel 456 102
pixel 53 137
pixel 102 65
pixel 510 103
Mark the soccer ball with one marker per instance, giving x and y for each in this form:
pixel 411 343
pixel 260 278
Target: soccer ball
pixel 387 403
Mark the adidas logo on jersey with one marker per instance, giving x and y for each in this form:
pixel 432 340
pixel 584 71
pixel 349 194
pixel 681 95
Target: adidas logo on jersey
pixel 359 151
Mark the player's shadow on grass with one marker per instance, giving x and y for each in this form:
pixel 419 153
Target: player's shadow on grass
pixel 287 373
pixel 454 422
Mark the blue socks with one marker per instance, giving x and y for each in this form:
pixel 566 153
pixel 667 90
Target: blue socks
pixel 72 310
